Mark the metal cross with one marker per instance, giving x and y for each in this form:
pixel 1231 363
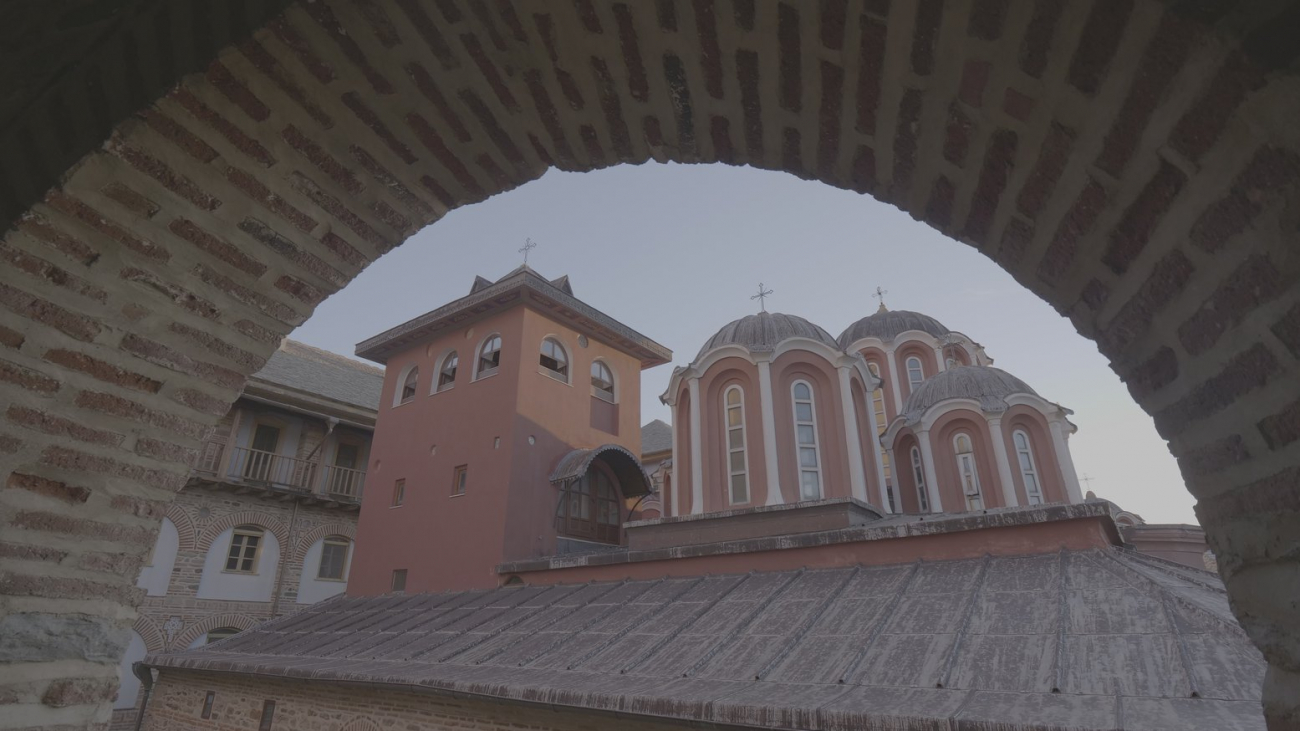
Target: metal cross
pixel 527 247
pixel 762 297
pixel 880 295
pixel 1087 480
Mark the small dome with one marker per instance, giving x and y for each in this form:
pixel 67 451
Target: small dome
pixel 888 324
pixel 761 333
pixel 986 384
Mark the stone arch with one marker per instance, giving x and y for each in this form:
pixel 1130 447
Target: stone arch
pixel 207 624
pixel 154 640
pixel 243 517
pixel 305 542
pixel 359 724
pixel 1134 164
pixel 185 530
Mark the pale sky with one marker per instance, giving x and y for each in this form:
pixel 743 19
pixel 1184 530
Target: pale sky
pixel 675 251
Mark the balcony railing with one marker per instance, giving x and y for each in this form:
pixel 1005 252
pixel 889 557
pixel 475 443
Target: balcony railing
pixel 277 470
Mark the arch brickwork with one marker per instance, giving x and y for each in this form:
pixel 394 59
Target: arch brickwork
pixel 191 633
pixel 154 640
pixel 306 540
pixel 1135 164
pixel 187 535
pixel 244 517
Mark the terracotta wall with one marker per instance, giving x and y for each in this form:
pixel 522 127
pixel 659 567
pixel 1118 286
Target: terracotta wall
pixel 1034 424
pixel 799 365
pixel 714 385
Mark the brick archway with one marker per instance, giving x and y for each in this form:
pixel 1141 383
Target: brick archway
pixel 308 539
pixel 1135 166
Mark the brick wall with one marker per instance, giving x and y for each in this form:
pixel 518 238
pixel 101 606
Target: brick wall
pixel 1138 168
pixel 179 696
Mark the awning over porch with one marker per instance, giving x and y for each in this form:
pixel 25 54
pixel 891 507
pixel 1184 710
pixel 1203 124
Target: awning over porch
pixel 632 477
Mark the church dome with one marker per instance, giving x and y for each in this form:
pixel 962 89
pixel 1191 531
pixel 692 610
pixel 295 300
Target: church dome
pixel 988 385
pixel 761 333
pixel 888 324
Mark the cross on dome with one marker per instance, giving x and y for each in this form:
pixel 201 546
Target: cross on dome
pixel 762 297
pixel 880 295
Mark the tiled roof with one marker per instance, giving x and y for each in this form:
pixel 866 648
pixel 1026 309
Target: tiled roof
pixel 889 324
pixel 301 367
pixel 988 385
pixel 656 437
pixel 1095 639
pixel 762 332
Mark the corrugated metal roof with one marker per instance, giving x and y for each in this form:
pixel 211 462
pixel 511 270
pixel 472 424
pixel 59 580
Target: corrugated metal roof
pixel 1097 639
pixel 656 436
pixel 301 367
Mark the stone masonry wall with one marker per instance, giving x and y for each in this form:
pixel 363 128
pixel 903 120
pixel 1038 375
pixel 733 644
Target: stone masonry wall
pixel 179 696
pixel 1137 166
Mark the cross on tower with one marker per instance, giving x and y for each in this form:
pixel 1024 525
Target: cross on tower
pixel 527 247
pixel 762 297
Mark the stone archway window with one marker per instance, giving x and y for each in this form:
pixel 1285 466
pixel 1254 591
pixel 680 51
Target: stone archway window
pixel 554 360
pixel 245 549
pixel 409 384
pixel 915 373
pixel 447 372
pixel 968 471
pixel 918 475
pixel 489 357
pixel 733 413
pixel 807 457
pixel 602 381
pixel 1028 470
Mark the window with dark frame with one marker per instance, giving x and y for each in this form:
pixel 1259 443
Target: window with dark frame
pixel 459 479
pixel 489 356
pixel 399 580
pixel 245 543
pixel 589 509
pixel 554 359
pixel 207 705
pixel 409 385
pixel 602 381
pixel 447 373
pixel 268 714
pixel 333 558
pixel 399 492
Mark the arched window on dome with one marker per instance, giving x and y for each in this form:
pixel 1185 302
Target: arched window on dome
pixel 968 472
pixel 808 457
pixel 409 382
pixel 918 476
pixel 1028 469
pixel 733 408
pixel 447 371
pixel 878 406
pixel 489 357
pixel 915 374
pixel 554 360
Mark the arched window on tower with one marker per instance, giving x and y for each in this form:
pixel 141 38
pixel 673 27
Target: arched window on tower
pixel 447 373
pixel 915 374
pixel 878 407
pixel 554 360
pixel 918 476
pixel 737 460
pixel 1028 470
pixel 408 385
pixel 805 436
pixel 489 357
pixel 602 381
pixel 968 472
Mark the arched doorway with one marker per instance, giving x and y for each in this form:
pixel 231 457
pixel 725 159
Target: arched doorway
pixel 1134 163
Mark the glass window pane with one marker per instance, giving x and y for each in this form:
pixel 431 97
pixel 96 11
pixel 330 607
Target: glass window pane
pixel 1024 462
pixel 1031 484
pixel 807 457
pixel 736 439
pixel 801 391
pixel 733 417
pixel 803 412
pixel 737 461
pixel 739 489
pixel 733 396
pixel 1020 440
pixel 963 444
pixel 809 485
pixel 806 434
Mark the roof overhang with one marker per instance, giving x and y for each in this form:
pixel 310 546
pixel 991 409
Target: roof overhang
pixel 526 288
pixel 632 477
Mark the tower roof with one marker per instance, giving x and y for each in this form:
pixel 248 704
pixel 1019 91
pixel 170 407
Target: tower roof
pixel 762 332
pixel 889 324
pixel 986 384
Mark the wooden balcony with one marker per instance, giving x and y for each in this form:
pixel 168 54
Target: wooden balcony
pixel 278 472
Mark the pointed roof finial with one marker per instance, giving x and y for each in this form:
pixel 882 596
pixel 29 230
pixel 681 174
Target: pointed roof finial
pixel 762 297
pixel 880 295
pixel 527 247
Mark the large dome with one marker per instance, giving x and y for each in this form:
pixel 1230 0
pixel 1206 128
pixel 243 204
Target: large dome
pixel 761 333
pixel 888 324
pixel 986 384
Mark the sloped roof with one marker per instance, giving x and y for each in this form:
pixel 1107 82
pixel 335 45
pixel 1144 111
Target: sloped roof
pixel 1091 639
pixel 889 324
pixel 303 368
pixel 656 436
pixel 761 333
